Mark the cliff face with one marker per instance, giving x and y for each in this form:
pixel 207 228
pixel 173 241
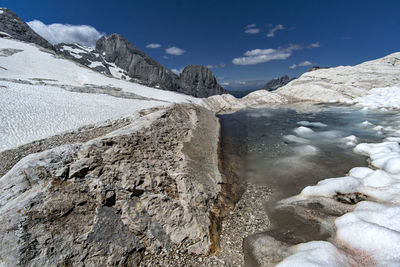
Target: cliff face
pixel 137 64
pixel 12 25
pixel 199 81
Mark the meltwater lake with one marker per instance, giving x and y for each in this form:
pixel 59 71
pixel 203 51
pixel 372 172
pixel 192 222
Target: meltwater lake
pixel 290 147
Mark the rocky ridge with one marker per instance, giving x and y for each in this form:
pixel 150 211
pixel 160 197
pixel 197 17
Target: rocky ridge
pixel 276 83
pixel 12 25
pixel 199 81
pixel 144 187
pixel 117 57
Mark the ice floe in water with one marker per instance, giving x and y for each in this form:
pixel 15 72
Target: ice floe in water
pixel 312 124
pixel 306 132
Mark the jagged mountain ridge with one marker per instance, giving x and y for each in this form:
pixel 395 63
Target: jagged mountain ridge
pixel 277 83
pixel 117 57
pixel 14 26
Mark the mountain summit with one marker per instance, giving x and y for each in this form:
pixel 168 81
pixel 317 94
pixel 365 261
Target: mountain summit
pixel 14 26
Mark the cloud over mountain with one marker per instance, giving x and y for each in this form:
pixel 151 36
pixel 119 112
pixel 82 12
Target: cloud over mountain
pixel 65 33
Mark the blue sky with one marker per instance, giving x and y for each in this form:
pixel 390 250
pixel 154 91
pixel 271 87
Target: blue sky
pixel 286 33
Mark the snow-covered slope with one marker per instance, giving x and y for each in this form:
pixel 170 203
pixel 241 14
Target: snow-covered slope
pixel 42 94
pixel 27 62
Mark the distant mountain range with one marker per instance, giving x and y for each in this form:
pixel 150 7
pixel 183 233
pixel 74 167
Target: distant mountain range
pixel 271 85
pixel 117 57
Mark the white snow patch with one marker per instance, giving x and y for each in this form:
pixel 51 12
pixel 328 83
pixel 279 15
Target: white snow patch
pixel 316 254
pixel 32 112
pixel 95 64
pixel 380 98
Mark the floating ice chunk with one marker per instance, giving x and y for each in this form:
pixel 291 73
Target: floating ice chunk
pixel 365 124
pixel 312 124
pixel 329 187
pixel 328 134
pixel 316 253
pixel 371 233
pixel 306 150
pixel 304 131
pixel 350 140
pixel 295 139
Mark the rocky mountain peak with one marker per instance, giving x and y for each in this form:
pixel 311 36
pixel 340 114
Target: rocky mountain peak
pixel 278 82
pixel 199 81
pixel 116 49
pixel 14 26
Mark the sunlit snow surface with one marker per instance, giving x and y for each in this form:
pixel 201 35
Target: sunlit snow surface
pixel 34 105
pixel 370 234
pixel 31 112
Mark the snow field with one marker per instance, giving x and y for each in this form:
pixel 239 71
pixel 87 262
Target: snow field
pixel 32 112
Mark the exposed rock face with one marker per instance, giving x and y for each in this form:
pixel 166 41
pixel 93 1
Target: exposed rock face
pixel 85 56
pixel 148 185
pixel 115 56
pixel 278 82
pixel 199 81
pixel 11 24
pixel 138 65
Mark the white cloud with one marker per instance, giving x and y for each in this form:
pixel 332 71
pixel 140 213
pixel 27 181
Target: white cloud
pixel 177 71
pixel 257 56
pixel 272 31
pixel 301 64
pixel 314 45
pixel 65 33
pixel 153 46
pixel 251 29
pixel 175 51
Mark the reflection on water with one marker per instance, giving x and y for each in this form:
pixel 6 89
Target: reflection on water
pixel 287 149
